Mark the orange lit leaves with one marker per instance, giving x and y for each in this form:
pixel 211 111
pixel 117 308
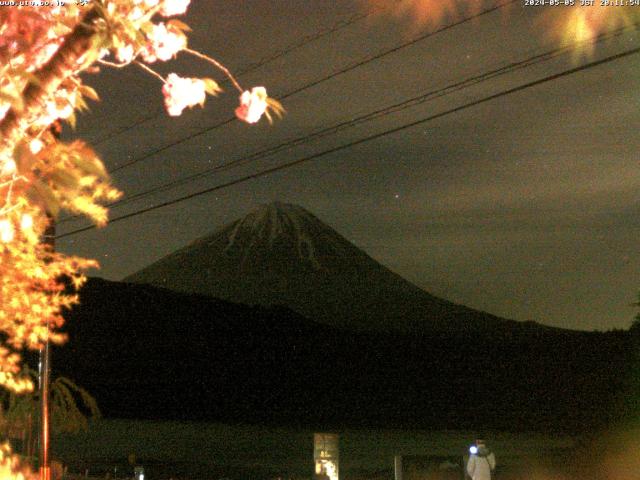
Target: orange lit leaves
pixel 11 468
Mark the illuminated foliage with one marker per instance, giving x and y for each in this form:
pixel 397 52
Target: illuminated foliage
pixel 581 24
pixel 43 50
pixel 10 467
pixel 421 12
pixel 572 21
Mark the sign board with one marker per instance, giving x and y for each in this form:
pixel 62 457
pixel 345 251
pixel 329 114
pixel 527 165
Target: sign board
pixel 326 455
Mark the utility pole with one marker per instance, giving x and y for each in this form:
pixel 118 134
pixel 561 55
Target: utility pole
pixel 44 370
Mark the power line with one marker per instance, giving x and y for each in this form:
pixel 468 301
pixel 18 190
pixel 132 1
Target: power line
pixel 401 46
pixel 421 121
pixel 509 68
pixel 319 81
pixel 310 38
pixel 307 39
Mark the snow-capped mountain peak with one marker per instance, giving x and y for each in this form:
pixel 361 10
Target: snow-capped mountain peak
pixel 281 254
pixel 277 222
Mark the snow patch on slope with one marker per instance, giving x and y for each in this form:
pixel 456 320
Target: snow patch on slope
pixel 270 222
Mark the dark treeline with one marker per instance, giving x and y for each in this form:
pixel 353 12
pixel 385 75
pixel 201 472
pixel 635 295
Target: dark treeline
pixel 151 353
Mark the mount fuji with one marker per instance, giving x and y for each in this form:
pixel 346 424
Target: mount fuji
pixel 281 254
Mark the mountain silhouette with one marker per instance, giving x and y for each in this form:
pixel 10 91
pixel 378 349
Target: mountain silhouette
pixel 152 353
pixel 281 254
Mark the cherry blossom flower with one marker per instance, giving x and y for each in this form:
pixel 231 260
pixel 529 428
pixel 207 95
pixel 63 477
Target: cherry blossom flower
pixel 164 43
pixel 61 106
pixel 180 93
pixel 140 8
pixel 136 14
pixel 252 104
pixel 174 7
pixel 125 54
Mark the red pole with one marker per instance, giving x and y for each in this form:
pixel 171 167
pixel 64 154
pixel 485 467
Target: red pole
pixel 45 471
pixel 45 357
pixel 45 369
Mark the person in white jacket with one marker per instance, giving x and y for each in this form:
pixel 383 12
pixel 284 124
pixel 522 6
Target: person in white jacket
pixel 482 462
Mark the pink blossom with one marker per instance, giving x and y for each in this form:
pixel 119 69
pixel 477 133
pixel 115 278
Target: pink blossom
pixel 60 105
pixel 146 3
pixel 136 14
pixel 163 44
pixel 180 93
pixel 174 7
pixel 141 7
pixel 125 54
pixel 252 104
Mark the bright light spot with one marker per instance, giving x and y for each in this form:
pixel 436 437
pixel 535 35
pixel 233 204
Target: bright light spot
pixel 174 7
pixel 473 449
pixel 330 469
pixel 27 222
pixel 35 145
pixel 6 231
pixel 8 167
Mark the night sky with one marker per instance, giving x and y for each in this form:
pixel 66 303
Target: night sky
pixel 525 206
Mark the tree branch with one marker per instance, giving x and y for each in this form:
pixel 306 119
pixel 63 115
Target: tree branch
pixel 64 63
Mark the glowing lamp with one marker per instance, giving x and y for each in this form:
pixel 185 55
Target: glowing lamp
pixel 138 473
pixel 473 449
